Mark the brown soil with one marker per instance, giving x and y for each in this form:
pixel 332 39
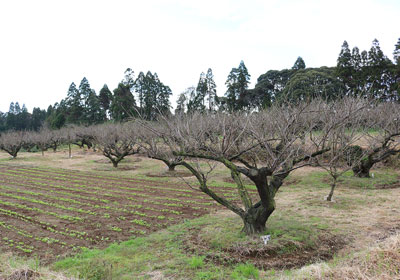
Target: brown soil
pixel 107 161
pixel 170 174
pixel 267 257
pixel 35 205
pixel 119 168
pixel 388 186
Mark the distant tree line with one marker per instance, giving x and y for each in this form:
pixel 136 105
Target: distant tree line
pixel 18 118
pixel 368 74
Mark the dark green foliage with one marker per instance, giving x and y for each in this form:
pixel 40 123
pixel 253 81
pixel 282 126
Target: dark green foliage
pixel 75 104
pixel 94 112
pixel 123 105
pixel 310 83
pixel 105 98
pixel 38 117
pixel 153 96
pixel 353 154
pixel 140 89
pixel 3 125
pixel 197 95
pixel 181 104
pixel 269 88
pixel 396 70
pixel 202 98
pixel 299 64
pixel 211 93
pixel 18 118
pixel 344 68
pixel 237 83
pixel 368 74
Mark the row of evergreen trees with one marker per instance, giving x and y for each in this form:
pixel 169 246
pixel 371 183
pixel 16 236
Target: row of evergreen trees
pixel 145 96
pixel 366 73
pixel 18 118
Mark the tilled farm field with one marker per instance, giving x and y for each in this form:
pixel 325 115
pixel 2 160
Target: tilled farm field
pixel 54 212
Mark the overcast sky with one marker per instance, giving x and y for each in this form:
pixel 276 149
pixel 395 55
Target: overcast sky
pixel 46 45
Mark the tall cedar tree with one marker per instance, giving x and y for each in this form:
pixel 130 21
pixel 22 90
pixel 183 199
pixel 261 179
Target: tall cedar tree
pixel 123 104
pixel 105 97
pixel 237 84
pixel 153 96
pixel 299 64
pixel 94 113
pixel 75 105
pixel 211 93
pixel 344 68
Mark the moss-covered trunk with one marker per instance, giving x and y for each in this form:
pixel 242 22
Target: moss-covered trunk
pixel 362 169
pixel 256 216
pixel 255 219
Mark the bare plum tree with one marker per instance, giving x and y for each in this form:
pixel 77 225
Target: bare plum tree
pixel 68 136
pixel 345 123
pixel 264 146
pixel 154 144
pixel 116 141
pixel 84 136
pixel 42 139
pixel 381 141
pixel 12 142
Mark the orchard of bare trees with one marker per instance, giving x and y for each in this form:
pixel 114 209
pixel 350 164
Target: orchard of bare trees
pixel 265 146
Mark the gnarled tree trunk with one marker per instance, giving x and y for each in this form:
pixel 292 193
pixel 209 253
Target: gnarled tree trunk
pixel 362 169
pixel 256 217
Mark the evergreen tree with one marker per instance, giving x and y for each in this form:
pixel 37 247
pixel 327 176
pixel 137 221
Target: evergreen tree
pixel 310 83
pixel 396 84
pixel 149 96
pixel 357 75
pixel 154 96
pixel 129 79
pixel 85 91
pixel 3 125
pixel 379 75
pixel 211 90
pixel 75 105
pixel 38 118
pixel 181 104
pixel 105 98
pixel 190 94
pixel 204 95
pixel 11 116
pixel 299 64
pixel 344 68
pixel 23 119
pixel 17 109
pixel 123 104
pixel 162 98
pixel 94 113
pixel 140 85
pixel 396 52
pixel 237 84
pixel 197 95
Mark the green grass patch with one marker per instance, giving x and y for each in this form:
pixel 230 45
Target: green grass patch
pixel 380 177
pixel 165 252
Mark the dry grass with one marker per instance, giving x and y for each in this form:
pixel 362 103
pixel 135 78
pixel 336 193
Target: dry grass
pixel 381 261
pixel 16 268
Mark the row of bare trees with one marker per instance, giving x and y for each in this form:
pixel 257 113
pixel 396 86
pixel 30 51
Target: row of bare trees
pixel 13 141
pixel 267 146
pixel 263 146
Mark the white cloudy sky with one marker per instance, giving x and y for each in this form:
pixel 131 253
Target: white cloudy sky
pixel 46 45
